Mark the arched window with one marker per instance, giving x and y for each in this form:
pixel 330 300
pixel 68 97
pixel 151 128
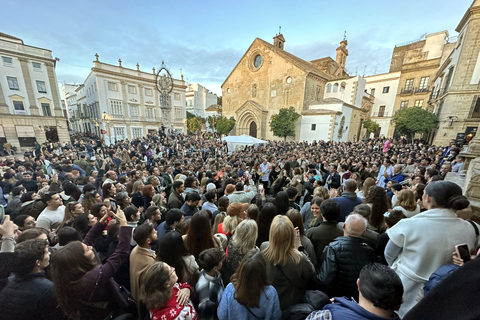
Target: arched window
pixel 335 87
pixel 342 86
pixel 329 88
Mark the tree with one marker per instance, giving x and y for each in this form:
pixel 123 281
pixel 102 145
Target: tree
pixel 219 100
pixel 414 120
pixel 370 126
pixel 283 123
pixel 194 123
pixel 212 121
pixel 224 125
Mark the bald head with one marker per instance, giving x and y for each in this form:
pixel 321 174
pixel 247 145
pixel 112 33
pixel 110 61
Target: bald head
pixel 355 225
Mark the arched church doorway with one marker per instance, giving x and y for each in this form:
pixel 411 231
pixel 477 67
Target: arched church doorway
pixel 253 129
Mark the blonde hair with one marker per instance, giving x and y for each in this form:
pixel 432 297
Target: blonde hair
pixel 406 200
pixel 231 223
pixel 321 192
pixel 281 246
pixel 158 200
pixel 245 236
pixel 137 186
pixel 219 218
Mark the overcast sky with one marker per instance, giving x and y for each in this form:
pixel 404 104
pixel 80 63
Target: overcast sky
pixel 207 38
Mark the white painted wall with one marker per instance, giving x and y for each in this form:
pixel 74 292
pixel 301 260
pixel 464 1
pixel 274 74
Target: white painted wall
pixel 378 82
pixel 15 71
pixel 434 44
pixel 322 123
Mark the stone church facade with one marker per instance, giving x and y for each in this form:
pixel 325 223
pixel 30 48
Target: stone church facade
pixel 268 78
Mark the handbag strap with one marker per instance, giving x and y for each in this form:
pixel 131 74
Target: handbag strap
pixel 251 312
pixel 279 268
pixel 475 227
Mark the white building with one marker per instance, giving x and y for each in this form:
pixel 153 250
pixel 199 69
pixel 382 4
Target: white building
pixel 70 102
pixel 30 104
pixel 339 116
pixel 120 103
pixel 199 99
pixel 384 88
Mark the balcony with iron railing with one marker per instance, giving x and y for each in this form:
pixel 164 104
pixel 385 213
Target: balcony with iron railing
pixel 380 114
pixel 414 90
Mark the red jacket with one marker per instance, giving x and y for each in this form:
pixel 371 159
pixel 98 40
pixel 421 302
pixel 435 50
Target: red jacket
pixel 172 310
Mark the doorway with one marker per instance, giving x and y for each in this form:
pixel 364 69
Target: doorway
pixel 253 129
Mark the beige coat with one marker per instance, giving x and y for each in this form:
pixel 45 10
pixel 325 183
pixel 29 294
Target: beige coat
pixel 140 260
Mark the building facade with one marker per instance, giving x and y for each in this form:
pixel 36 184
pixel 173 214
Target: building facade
pixel 418 62
pixel 384 88
pixel 199 99
pixel 118 103
pixel 268 78
pixel 456 94
pixel 30 105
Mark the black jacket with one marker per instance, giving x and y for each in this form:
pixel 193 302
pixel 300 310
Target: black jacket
pixel 29 297
pixel 342 261
pixel 335 178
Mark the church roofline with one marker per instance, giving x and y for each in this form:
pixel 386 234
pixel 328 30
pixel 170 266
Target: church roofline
pixel 303 65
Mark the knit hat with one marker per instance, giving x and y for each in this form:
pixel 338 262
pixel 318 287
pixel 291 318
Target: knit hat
pixel 237 209
pixel 211 187
pixel 229 189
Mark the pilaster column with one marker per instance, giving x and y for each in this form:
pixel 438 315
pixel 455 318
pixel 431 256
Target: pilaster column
pixel 53 86
pixel 28 85
pixel 3 104
pixel 124 98
pixel 140 92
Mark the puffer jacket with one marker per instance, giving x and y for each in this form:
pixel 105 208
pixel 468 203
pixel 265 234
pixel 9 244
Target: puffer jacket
pixel 342 260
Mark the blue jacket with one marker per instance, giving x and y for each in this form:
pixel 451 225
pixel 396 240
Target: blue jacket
pixel 347 202
pixel 268 309
pixel 345 309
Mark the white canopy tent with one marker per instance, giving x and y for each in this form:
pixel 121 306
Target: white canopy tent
pixel 235 143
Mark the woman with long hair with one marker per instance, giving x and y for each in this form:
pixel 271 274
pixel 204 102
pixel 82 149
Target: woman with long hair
pixel 109 191
pixel 367 184
pixel 198 237
pixel 123 200
pixel 242 241
pixel 316 212
pixel 173 252
pixel 84 288
pixel 72 210
pixel 406 203
pixel 236 213
pixel 249 294
pixel 378 200
pixel 418 246
pixel 306 211
pixel 296 218
pixel 264 220
pixel 90 198
pixel 83 223
pixel 164 297
pixel 288 269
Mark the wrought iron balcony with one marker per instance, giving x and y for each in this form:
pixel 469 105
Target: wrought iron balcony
pixel 380 114
pixel 406 91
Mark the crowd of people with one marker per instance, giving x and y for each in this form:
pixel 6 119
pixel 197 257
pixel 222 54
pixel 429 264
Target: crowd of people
pixel 174 226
